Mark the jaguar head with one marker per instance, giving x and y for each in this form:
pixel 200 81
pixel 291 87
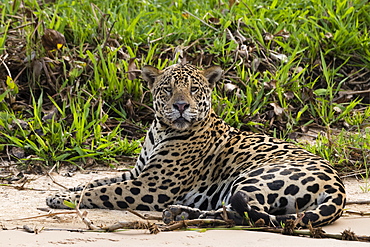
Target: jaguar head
pixel 181 93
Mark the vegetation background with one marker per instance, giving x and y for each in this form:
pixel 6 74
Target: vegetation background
pixel 71 93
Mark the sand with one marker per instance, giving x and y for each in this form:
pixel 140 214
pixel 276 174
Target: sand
pixel 16 204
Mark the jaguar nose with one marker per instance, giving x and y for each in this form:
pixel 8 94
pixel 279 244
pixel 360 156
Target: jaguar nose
pixel 181 106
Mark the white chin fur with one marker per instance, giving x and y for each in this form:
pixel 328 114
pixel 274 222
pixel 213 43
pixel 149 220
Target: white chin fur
pixel 180 124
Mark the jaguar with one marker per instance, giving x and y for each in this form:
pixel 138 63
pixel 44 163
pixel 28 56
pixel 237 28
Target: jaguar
pixel 194 165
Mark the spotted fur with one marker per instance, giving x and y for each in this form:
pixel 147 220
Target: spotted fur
pixel 192 163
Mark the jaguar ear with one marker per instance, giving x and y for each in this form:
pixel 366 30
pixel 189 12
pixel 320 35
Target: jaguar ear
pixel 149 73
pixel 213 74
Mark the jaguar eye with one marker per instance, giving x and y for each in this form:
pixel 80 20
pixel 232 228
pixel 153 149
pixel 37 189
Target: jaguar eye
pixel 194 89
pixel 167 89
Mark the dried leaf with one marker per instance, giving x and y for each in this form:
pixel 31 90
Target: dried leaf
pixel 304 128
pixel 280 57
pixel 36 68
pixel 123 55
pixel 53 40
pixel 50 114
pixel 328 35
pixel 268 36
pixel 215 21
pixel 30 57
pixel 230 35
pixel 179 54
pixel 289 95
pixel 132 69
pixel 18 124
pixel 293 136
pixel 229 87
pixel 307 94
pixel 270 85
pixel 277 109
pixel 337 109
pixel 232 89
pixel 18 152
pixel 185 15
pixel 346 125
pixel 283 33
pixel 362 93
pixel 256 63
pixel 129 107
pixel 244 51
pixel 241 37
pixel 297 70
pixel 89 162
pixel 232 2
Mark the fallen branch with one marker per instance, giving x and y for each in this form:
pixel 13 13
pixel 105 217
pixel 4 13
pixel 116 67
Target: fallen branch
pixel 53 180
pixel 205 23
pixel 83 215
pixel 86 220
pixel 144 217
pixel 21 187
pixel 205 224
pixel 43 215
pixel 313 233
pixel 160 38
pixel 358 202
pixel 153 228
pixel 358 212
pixel 199 222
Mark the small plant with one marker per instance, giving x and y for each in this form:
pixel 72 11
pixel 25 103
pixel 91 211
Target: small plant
pixel 248 220
pixel 70 204
pixel 366 187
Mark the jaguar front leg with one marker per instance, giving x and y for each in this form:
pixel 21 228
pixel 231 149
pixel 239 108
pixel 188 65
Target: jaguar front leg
pixel 132 194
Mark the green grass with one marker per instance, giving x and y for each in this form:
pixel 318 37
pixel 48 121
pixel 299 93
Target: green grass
pixel 292 64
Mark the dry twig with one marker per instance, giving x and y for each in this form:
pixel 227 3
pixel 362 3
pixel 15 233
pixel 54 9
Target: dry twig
pixel 210 224
pixel 43 215
pixel 185 223
pixel 53 180
pixel 144 217
pixel 21 187
pixel 205 23
pixel 358 202
pixel 153 228
pixel 358 212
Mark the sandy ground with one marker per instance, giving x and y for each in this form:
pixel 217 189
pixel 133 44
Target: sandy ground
pixel 16 204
